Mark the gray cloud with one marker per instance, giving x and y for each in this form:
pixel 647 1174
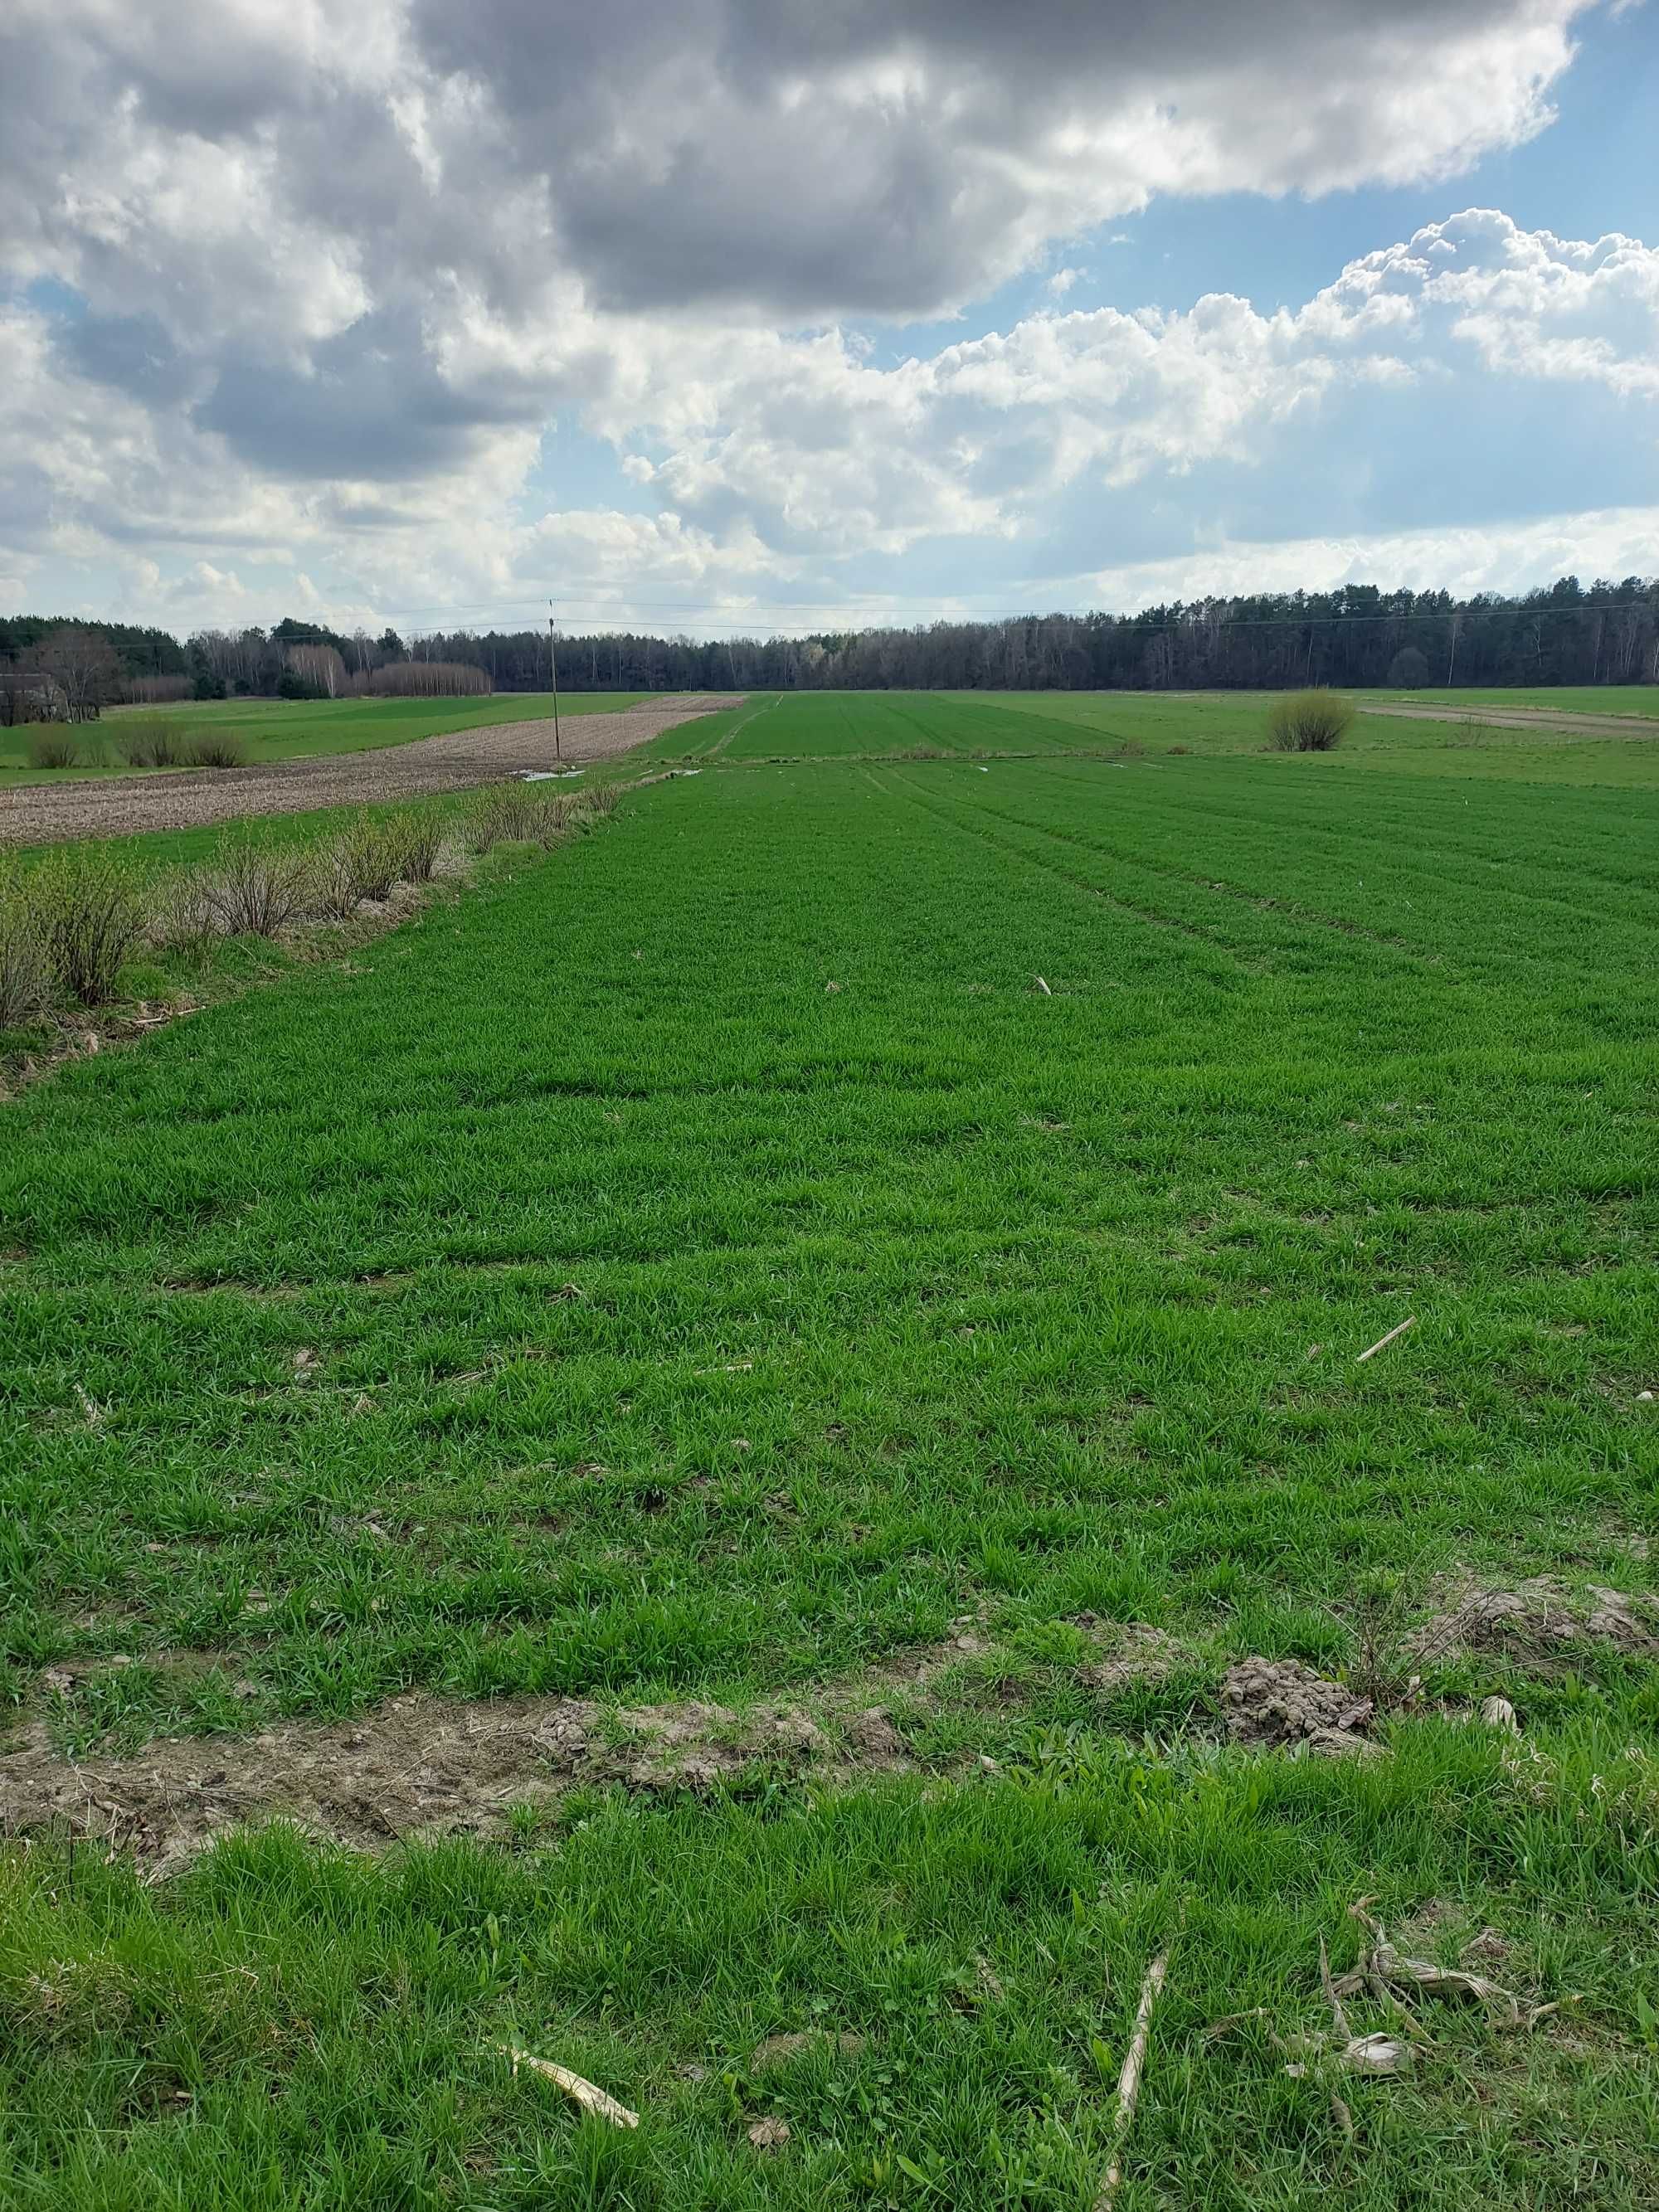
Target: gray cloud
pixel 819 161
pixel 135 353
pixel 367 404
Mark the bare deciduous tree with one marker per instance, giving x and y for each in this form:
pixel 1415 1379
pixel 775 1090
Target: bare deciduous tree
pixel 83 665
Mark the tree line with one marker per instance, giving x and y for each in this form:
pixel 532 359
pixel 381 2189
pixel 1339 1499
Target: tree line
pixel 1357 636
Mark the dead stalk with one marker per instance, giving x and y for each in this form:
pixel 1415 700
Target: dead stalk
pixel 586 2093
pixel 1400 1328
pixel 1129 2080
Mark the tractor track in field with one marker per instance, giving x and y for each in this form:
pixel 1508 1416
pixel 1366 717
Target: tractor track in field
pixel 190 799
pixel 1517 718
pixel 422 1764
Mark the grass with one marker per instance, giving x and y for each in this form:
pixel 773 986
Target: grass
pixel 285 2012
pixel 278 729
pixel 625 1313
pixel 1635 699
pixel 988 726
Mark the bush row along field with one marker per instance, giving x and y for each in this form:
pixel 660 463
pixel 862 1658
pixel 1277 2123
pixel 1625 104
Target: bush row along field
pixel 853 725
pixel 712 1260
pixel 279 729
pixel 78 923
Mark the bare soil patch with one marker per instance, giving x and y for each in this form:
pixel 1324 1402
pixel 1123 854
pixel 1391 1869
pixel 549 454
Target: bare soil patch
pixel 40 814
pixel 423 1765
pixel 1518 718
pixel 1536 1626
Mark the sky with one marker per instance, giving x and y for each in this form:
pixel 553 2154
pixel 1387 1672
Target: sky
pixel 760 315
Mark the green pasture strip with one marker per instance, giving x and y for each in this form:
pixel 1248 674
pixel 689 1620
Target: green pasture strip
pixel 958 1971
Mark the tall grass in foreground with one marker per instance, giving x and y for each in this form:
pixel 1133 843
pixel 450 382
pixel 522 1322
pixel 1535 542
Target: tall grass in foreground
pixel 25 964
pixel 67 925
pixel 89 910
pixel 1312 721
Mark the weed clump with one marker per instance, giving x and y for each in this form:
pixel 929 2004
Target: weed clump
pixel 157 742
pixel 88 909
pixel 54 748
pixel 256 890
pixel 25 964
pixel 1308 721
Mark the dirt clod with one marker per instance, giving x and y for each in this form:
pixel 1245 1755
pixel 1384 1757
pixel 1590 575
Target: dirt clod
pixel 1282 1703
pixel 1140 1654
pixel 1534 1625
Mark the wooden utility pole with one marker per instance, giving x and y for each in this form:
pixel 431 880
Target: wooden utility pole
pixel 553 658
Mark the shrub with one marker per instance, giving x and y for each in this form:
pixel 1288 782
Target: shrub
pixel 363 860
pixel 421 841
pixel 182 915
pixel 602 798
pixel 89 914
pixel 500 813
pixel 54 747
pixel 256 890
pixel 156 742
pixel 217 748
pixel 1308 721
pixel 25 967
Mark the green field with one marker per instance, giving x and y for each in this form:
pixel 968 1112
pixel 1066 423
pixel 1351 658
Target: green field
pixel 1557 698
pixel 868 1227
pixel 282 729
pixel 852 724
